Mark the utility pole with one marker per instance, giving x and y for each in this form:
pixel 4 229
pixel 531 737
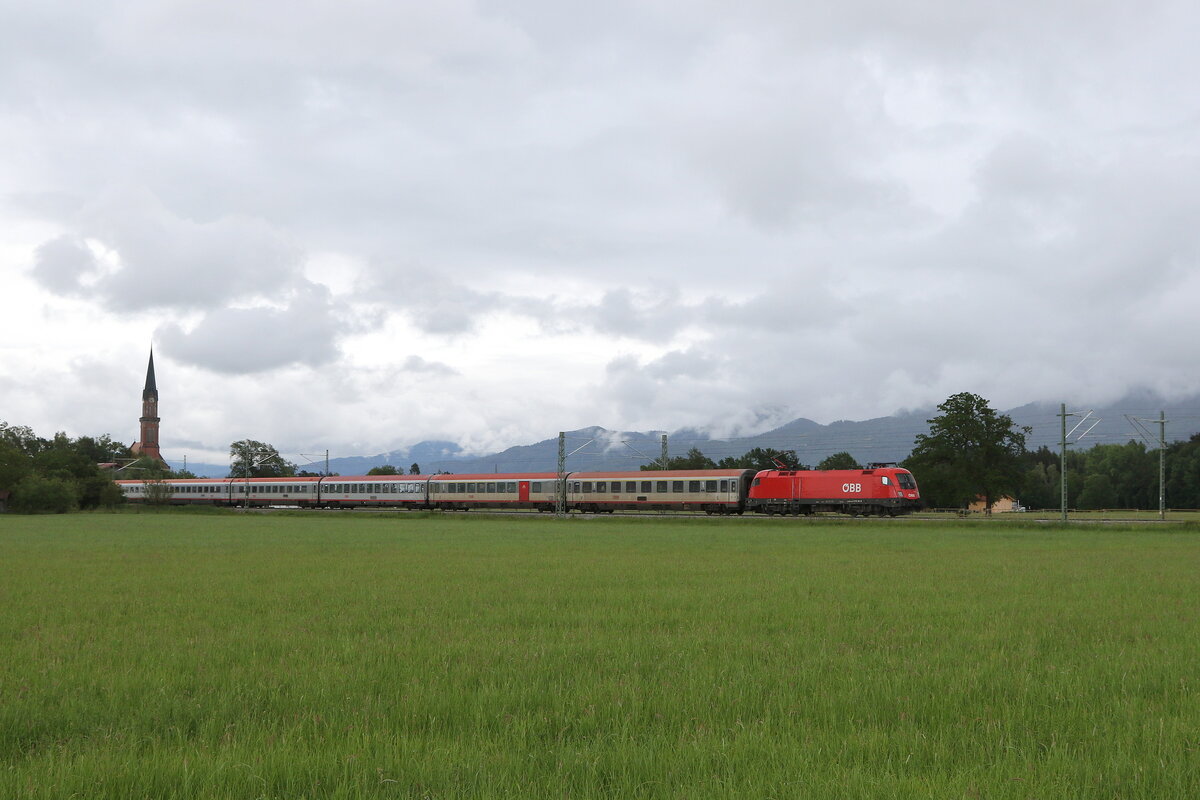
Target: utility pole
pixel 1162 465
pixel 560 494
pixel 1161 441
pixel 665 460
pixel 1065 443
pixel 1062 473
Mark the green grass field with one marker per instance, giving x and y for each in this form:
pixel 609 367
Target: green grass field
pixel 402 655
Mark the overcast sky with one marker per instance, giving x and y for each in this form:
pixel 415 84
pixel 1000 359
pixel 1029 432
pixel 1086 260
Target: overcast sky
pixel 357 225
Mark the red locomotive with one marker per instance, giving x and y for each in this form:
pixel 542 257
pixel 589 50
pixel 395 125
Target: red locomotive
pixel 879 490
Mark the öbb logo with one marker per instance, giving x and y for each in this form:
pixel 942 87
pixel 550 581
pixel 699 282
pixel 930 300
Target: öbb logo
pixel 851 488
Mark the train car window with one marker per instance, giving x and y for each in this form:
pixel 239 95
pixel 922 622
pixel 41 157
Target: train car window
pixel 677 487
pixel 710 486
pixel 647 487
pixel 724 486
pixel 693 486
pixel 575 488
pixel 631 487
pixel 587 487
pixel 535 487
pixel 601 486
pixel 511 487
pixel 660 487
pixel 471 488
pixel 491 488
pixel 452 488
pixel 885 480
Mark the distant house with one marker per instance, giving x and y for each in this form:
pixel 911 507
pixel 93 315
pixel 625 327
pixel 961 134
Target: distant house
pixel 999 506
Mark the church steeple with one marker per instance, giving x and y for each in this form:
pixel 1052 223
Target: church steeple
pixel 151 390
pixel 148 446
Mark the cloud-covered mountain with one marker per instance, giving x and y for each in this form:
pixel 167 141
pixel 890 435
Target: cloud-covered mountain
pixel 881 439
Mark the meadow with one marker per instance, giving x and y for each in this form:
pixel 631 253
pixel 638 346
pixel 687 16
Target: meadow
pixel 348 655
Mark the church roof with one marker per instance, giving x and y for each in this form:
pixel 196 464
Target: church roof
pixel 151 390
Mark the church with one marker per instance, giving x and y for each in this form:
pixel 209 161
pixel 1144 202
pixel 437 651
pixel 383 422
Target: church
pixel 147 446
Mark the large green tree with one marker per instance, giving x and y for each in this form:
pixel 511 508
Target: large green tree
pixel 251 459
pixel 971 452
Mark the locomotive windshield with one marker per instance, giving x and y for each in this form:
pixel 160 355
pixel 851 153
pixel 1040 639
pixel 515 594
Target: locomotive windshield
pixel 906 480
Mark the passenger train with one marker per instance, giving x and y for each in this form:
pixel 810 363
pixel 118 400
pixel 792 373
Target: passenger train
pixel 879 490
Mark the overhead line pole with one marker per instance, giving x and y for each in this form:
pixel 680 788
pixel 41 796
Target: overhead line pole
pixel 1063 466
pixel 560 495
pixel 1162 465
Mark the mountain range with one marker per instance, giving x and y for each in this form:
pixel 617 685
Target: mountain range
pixel 874 440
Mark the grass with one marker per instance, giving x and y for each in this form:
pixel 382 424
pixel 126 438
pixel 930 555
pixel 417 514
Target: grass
pixel 358 655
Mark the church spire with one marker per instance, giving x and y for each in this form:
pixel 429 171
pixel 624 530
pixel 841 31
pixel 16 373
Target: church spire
pixel 151 391
pixel 147 447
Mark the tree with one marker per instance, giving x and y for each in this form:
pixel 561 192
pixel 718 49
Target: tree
pixel 694 459
pixel 251 459
pixel 36 494
pixel 842 460
pixel 970 452
pixel 761 458
pixel 415 469
pixel 36 470
pixel 1098 492
pixel 386 469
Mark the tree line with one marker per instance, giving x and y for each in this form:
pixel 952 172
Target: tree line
pixel 59 474
pixel 970 453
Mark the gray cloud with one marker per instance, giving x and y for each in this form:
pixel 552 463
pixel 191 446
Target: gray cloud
pixel 707 212
pixel 245 340
pixel 62 263
pixel 420 365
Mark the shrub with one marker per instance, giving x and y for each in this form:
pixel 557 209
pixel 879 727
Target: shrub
pixel 35 494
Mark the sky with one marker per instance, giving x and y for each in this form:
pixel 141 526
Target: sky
pixel 359 225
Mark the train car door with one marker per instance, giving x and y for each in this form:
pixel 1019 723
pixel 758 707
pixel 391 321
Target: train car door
pixel 523 487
